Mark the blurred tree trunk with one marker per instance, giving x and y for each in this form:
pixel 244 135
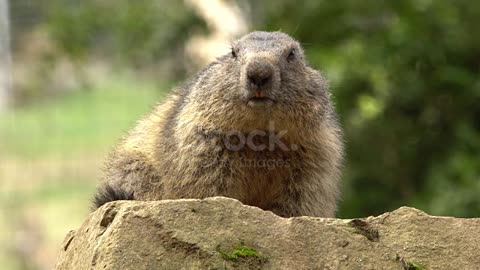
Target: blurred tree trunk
pixel 5 57
pixel 226 20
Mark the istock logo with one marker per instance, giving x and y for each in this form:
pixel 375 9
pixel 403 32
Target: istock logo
pixel 256 149
pixel 256 140
pixel 269 164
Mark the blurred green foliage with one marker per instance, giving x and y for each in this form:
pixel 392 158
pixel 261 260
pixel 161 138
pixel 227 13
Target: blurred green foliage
pixel 135 33
pixel 139 31
pixel 405 76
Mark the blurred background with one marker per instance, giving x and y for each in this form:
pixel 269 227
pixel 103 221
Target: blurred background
pixel 76 75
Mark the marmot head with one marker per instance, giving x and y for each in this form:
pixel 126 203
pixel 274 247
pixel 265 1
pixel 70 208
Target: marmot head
pixel 264 78
pixel 269 66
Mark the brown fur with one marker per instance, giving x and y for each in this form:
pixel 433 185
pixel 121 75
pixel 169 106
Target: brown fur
pixel 179 150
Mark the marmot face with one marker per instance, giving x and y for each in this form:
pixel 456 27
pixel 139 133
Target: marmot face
pixel 269 64
pixel 264 78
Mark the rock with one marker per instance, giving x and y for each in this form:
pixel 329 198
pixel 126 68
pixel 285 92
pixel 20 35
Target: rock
pixel 222 233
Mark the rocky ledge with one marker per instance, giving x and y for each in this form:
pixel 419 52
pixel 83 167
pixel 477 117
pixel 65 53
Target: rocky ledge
pixel 222 233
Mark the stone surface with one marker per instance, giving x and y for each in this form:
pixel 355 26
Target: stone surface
pixel 222 233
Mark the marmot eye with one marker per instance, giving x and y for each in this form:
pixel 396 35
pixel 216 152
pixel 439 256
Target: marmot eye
pixel 234 53
pixel 291 55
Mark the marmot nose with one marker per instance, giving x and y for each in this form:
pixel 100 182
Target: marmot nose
pixel 259 75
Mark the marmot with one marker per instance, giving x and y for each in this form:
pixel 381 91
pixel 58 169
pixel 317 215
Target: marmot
pixel 256 125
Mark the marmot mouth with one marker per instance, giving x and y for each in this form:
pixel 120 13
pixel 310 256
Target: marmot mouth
pixel 259 102
pixel 259 95
pixel 259 99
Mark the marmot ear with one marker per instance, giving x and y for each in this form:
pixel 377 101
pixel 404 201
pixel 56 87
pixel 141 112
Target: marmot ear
pixel 317 81
pixel 291 55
